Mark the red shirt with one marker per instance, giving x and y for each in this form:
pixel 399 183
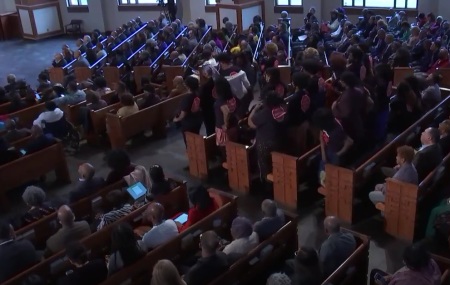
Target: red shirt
pixel 195 215
pixel 438 64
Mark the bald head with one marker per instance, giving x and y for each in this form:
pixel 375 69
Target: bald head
pixel 77 53
pixel 269 208
pixel 155 213
pixel 209 241
pixel 331 225
pixel 174 55
pixel 86 171
pixel 11 78
pixel 65 215
pixel 178 80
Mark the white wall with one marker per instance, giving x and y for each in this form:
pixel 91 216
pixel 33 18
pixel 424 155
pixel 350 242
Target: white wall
pixel 47 20
pixel 7 6
pixel 104 14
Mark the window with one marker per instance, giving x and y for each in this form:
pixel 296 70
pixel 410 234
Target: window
pixel 288 2
pixel 77 6
pixel 77 3
pixel 211 2
pixel 142 2
pixel 398 4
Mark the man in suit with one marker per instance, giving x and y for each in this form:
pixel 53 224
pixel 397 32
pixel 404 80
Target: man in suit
pixel 15 255
pixel 419 50
pixel 59 60
pixel 88 183
pixel 429 155
pixel 336 248
pixel 273 220
pixel 81 61
pixel 69 232
pixel 404 171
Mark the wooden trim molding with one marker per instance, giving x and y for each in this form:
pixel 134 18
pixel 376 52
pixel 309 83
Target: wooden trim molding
pixel 78 9
pixel 289 9
pixel 137 7
pixel 210 8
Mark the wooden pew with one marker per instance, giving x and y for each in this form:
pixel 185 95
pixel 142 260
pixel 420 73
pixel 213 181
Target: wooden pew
pixel 199 149
pixel 83 73
pixel 98 120
pixel 32 167
pixel 99 242
pixel 72 112
pixel 25 117
pixel 253 267
pixel 18 144
pixel 39 231
pixel 120 129
pixel 239 166
pixel 288 172
pixel 355 268
pixel 341 183
pixel 185 244
pixel 402 201
pixel 56 75
pixel 401 73
pixel 445 72
pixel 4 108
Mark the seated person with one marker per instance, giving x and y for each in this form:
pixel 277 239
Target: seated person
pixel 202 206
pixel 7 155
pixel 150 97
pixel 93 100
pixel 178 87
pixel 129 106
pixel 305 267
pixel 70 231
pixel 59 60
pixel 419 268
pixel 86 272
pixel 159 184
pixel 405 172
pixel 38 141
pixel 34 198
pixel 211 264
pixel 278 279
pixel 125 249
pixel 52 115
pixel 336 248
pixel 73 95
pixel 119 163
pixel 429 156
pixel 162 230
pixel 273 220
pixel 244 238
pixel 116 205
pixel 87 184
pixel 12 133
pixel 15 255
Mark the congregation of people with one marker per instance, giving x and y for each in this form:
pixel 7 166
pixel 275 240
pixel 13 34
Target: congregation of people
pixel 237 92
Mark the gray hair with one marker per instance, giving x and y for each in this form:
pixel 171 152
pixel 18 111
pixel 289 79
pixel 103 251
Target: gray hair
pixel 11 78
pixel 278 279
pixel 33 196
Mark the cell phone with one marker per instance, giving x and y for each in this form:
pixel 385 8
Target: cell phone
pixel 380 279
pixel 23 152
pixel 37 96
pixel 182 218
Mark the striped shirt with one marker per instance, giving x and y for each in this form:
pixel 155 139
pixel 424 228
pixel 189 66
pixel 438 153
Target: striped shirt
pixel 114 215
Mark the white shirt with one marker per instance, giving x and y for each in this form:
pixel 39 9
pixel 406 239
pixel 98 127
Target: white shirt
pixel 239 84
pixel 49 117
pixel 160 234
pixel 242 245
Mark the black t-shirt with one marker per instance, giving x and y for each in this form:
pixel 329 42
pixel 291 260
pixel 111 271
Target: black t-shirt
pixel 300 108
pixel 92 273
pixel 193 114
pixel 334 138
pixel 267 128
